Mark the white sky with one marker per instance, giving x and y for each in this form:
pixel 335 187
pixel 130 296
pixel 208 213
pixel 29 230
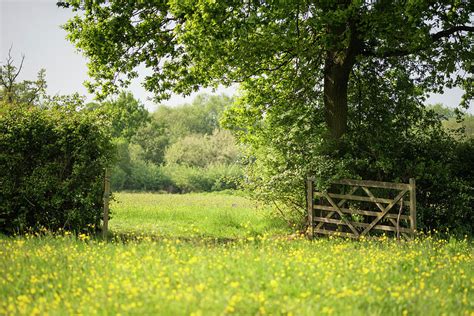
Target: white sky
pixel 32 27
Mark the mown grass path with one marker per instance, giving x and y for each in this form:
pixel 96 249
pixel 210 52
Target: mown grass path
pixel 254 273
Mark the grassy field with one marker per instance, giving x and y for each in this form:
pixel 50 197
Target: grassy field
pixel 218 254
pixel 193 216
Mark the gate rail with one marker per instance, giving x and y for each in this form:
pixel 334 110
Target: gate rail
pixel 337 217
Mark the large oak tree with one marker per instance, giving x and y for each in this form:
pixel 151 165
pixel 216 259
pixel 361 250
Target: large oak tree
pixel 187 44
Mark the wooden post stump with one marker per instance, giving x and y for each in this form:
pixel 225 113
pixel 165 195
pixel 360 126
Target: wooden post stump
pixel 105 225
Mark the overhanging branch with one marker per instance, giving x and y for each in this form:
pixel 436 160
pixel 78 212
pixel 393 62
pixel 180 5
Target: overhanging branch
pixel 445 33
pixel 399 52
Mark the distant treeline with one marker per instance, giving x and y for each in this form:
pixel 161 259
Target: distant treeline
pixel 460 124
pixel 173 149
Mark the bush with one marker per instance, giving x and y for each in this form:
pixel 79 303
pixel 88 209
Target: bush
pixel 211 178
pixel 441 165
pixel 203 150
pixel 146 176
pixel 51 169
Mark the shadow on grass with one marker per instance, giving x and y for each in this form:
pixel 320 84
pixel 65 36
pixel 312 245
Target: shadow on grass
pixel 134 237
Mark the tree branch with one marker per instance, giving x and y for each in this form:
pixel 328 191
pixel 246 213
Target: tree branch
pixel 19 69
pixel 445 33
pixel 434 38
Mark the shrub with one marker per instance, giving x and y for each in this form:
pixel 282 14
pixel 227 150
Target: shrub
pixel 202 150
pixel 147 176
pixel 441 165
pixel 191 150
pixel 51 169
pixel 211 178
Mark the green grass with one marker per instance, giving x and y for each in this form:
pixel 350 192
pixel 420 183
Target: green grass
pixel 204 215
pixel 258 270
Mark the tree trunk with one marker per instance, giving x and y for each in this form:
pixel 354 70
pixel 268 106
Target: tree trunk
pixel 337 68
pixel 336 79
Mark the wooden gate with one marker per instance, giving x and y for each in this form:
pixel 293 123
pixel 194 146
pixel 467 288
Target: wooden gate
pixel 380 206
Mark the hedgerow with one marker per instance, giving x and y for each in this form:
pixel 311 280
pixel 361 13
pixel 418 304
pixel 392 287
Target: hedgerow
pixel 51 169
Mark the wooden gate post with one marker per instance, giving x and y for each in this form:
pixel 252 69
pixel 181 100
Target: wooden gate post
pixel 412 205
pixel 105 226
pixel 310 201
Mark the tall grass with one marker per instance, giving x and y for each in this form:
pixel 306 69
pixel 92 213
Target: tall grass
pixel 259 270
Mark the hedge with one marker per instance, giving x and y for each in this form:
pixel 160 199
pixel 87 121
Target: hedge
pixel 51 169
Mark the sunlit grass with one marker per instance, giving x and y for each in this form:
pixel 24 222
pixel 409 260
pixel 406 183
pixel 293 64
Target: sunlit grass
pixel 208 215
pixel 258 270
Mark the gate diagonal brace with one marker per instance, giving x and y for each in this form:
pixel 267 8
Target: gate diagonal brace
pixel 385 211
pixel 381 208
pixel 339 204
pixel 355 231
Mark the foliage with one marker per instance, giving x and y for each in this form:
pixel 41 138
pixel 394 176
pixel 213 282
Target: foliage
pixel 51 169
pixel 181 149
pixel 203 179
pixel 463 128
pixel 459 124
pixel 122 166
pixel 200 117
pixel 125 114
pixel 398 141
pixel 203 150
pixel 152 140
pixel 170 124
pixel 146 176
pixel 214 254
pixel 317 44
pixel 26 92
pixel 192 150
pixel 444 112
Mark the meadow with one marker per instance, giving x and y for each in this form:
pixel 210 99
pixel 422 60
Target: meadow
pixel 214 254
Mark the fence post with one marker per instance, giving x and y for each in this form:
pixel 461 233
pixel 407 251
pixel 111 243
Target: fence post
pixel 310 201
pixel 105 226
pixel 412 205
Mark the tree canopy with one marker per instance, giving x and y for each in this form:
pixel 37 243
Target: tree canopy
pixel 125 113
pixel 312 47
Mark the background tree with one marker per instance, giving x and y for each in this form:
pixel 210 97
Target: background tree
pixel 458 123
pixel 152 139
pixel 125 114
pixel 26 92
pixel 204 150
pixel 200 117
pixel 317 43
pixel 181 149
